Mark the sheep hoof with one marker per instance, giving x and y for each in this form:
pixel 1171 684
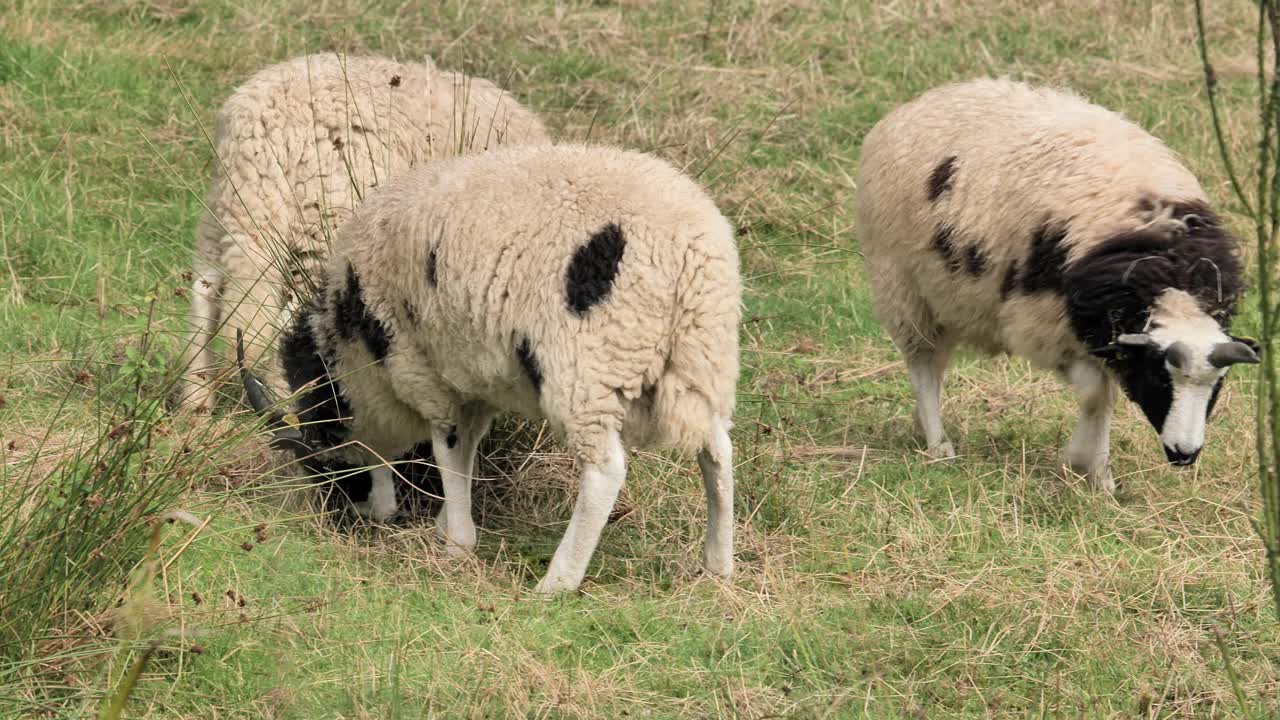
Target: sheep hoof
pixel 552 585
pixel 454 547
pixel 718 566
pixel 1102 481
pixel 942 451
pixel 1097 473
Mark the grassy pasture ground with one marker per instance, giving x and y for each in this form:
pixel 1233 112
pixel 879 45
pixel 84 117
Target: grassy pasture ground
pixel 872 582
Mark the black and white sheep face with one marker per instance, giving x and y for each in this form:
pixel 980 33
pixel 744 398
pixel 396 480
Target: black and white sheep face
pixel 1173 373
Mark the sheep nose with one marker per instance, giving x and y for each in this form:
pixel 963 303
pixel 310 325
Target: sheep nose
pixel 1178 457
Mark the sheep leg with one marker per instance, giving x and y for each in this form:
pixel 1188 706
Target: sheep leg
pixel 716 463
pixel 381 504
pixel 927 365
pixel 197 357
pixel 598 487
pixel 454 447
pixel 1090 447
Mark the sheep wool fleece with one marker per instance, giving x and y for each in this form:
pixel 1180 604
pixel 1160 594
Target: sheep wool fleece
pixel 595 287
pixel 297 146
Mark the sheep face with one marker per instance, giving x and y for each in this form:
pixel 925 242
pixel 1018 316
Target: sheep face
pixel 1174 371
pixel 322 425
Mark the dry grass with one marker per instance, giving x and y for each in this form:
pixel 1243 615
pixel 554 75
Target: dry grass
pixel 872 582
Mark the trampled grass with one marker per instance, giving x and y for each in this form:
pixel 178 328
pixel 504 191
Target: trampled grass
pixel 872 582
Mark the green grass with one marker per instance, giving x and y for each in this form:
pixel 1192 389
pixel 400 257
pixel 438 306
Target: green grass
pixel 872 583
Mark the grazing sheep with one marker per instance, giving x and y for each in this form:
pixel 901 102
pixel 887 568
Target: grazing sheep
pixel 590 286
pixel 1029 221
pixel 296 148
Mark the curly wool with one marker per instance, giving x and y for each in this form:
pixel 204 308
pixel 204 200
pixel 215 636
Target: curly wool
pixel 1011 216
pixel 594 287
pixel 297 146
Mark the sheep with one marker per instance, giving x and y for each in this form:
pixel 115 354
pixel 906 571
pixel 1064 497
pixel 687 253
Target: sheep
pixel 296 147
pixel 589 286
pixel 1027 220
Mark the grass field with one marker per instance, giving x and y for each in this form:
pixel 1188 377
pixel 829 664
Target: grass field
pixel 872 582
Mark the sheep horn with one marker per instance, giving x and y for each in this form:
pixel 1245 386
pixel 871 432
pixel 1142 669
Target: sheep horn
pixel 1179 355
pixel 1229 353
pixel 286 436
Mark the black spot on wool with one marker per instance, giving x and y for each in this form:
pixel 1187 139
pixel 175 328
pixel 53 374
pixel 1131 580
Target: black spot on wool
pixel 1044 266
pixel 431 269
pixel 1111 290
pixel 352 318
pixel 940 179
pixel 524 353
pixel 1010 282
pixel 945 245
pixel 975 260
pixel 593 268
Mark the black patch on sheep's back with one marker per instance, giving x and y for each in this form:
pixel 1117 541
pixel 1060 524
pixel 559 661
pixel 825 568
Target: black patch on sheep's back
pixel 1044 266
pixel 944 243
pixel 593 268
pixel 352 318
pixel 322 409
pixel 1010 281
pixel 941 177
pixel 431 269
pixel 1112 288
pixel 532 368
pixel 975 260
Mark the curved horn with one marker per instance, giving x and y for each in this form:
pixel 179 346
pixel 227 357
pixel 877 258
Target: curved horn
pixel 254 390
pixel 286 435
pixel 1179 355
pixel 1229 353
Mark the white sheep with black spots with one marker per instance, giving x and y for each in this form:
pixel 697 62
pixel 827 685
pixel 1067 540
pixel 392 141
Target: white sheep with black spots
pixel 296 147
pixel 1027 220
pixel 594 287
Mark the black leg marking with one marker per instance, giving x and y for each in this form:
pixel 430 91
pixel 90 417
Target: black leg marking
pixel 593 269
pixel 431 269
pixel 524 353
pixel 944 244
pixel 940 180
pixel 352 317
pixel 452 438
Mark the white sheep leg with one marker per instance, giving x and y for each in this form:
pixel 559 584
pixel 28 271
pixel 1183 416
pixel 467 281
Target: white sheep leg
pixel 716 462
pixel 598 488
pixel 1089 450
pixel 927 368
pixel 381 504
pixel 198 359
pixel 456 461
